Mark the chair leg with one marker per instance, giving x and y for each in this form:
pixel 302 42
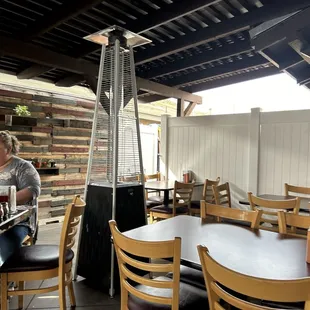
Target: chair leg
pixel 71 292
pixel 62 292
pixel 151 218
pixel 124 299
pixel 4 291
pixel 21 286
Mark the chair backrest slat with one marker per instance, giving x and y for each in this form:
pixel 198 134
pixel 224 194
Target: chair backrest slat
pixel 152 177
pixel 207 194
pixel 288 222
pixel 221 212
pixel 271 208
pixel 69 231
pixel 128 252
pixel 217 278
pixel 182 195
pixel 292 189
pixel 220 192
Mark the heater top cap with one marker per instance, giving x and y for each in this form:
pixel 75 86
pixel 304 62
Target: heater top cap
pixel 107 37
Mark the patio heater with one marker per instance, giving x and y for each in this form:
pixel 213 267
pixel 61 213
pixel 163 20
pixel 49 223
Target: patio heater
pixel 115 180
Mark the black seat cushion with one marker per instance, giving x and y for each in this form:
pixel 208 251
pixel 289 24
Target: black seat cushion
pixel 195 204
pixel 151 204
pixel 190 276
pixel 169 210
pixel 34 258
pixel 191 298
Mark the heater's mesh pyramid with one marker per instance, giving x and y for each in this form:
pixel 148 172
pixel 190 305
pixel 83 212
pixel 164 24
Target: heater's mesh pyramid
pixel 104 152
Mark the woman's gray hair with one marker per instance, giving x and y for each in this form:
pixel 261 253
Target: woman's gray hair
pixel 10 142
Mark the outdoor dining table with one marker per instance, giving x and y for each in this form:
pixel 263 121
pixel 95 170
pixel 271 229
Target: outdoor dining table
pixel 257 253
pixel 304 202
pixel 13 219
pixel 164 186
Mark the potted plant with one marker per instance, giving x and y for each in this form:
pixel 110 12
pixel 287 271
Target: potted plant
pixel 37 162
pixel 44 164
pixel 22 110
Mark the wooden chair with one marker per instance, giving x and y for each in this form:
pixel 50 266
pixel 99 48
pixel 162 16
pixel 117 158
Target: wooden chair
pixel 207 195
pixel 271 207
pixel 182 197
pixel 222 194
pixel 41 262
pixel 291 190
pixel 288 222
pixel 148 291
pixel 220 279
pixel 134 178
pixel 220 212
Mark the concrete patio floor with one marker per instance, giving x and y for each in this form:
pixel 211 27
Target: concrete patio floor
pixel 87 298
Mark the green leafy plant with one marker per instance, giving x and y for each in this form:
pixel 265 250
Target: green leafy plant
pixel 22 110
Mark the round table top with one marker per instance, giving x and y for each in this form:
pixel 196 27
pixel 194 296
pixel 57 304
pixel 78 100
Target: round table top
pixel 259 253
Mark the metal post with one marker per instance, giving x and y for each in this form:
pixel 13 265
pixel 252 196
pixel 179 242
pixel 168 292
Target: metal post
pixel 135 96
pixel 91 148
pixel 115 147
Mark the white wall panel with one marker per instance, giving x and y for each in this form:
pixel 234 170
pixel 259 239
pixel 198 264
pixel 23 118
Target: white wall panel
pixel 213 146
pixel 210 151
pixel 284 154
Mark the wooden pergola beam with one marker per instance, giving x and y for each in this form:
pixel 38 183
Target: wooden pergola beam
pixel 46 57
pixel 166 91
pixel 251 62
pixel 67 10
pixel 40 55
pixel 189 109
pixel 167 13
pixel 32 72
pixel 252 75
pixel 206 57
pixel 180 108
pixel 273 9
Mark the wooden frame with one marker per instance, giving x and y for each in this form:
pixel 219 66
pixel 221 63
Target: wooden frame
pixel 296 189
pixel 164 249
pixel 273 206
pixel 217 276
pixel 207 194
pixel 220 212
pixel 182 197
pixel 63 271
pixel 222 198
pixel 294 221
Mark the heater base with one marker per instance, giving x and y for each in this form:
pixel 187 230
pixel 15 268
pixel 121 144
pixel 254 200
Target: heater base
pixel 94 261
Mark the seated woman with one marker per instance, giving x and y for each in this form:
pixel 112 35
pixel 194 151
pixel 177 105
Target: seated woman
pixel 21 173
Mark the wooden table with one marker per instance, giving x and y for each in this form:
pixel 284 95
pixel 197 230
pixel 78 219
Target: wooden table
pixel 304 202
pixel 257 253
pixel 14 219
pixel 164 186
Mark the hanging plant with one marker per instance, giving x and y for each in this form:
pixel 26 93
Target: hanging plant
pixel 22 110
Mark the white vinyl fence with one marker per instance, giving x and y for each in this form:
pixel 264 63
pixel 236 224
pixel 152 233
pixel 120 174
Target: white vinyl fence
pixel 257 151
pixel 149 142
